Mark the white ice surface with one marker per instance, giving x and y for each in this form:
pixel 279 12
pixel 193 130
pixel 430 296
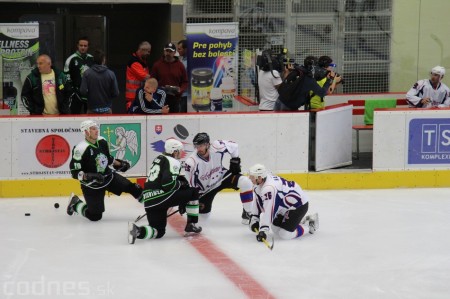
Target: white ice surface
pixel 371 244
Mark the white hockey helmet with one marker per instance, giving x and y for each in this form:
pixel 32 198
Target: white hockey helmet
pixel 258 170
pixel 438 70
pixel 85 125
pixel 172 145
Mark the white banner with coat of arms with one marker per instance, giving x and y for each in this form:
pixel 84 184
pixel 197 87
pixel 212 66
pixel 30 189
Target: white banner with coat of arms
pixel 43 147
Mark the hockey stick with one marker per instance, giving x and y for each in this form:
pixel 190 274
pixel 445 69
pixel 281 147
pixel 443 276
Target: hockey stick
pixel 209 190
pixel 265 241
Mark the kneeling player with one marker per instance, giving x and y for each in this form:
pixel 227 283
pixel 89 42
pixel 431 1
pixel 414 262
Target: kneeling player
pixel 204 171
pixel 165 188
pixel 90 165
pixel 281 204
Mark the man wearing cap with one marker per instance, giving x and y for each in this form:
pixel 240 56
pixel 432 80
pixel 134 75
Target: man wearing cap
pixel 326 63
pixel 171 75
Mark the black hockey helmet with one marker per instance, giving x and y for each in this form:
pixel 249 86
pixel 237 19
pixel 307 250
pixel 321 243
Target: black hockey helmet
pixel 201 138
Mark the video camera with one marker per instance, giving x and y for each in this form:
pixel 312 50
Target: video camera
pixel 270 60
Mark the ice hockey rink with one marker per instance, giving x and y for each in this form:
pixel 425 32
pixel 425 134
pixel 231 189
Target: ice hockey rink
pixel 371 244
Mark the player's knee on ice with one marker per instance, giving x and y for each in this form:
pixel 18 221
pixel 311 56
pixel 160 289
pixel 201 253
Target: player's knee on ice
pixel 161 233
pixel 205 206
pixel 93 217
pixel 287 235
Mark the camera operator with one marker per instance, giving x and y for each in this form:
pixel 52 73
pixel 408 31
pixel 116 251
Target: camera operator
pixel 301 80
pixel 326 63
pixel 269 79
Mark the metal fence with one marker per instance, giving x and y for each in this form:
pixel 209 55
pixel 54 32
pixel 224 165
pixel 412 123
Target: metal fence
pixel 355 33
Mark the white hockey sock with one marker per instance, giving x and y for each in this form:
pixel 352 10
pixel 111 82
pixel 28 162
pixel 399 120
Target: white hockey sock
pixel 150 232
pixel 246 188
pixel 80 208
pixel 192 208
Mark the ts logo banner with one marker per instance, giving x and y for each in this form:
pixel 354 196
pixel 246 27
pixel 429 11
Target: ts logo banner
pixel 429 141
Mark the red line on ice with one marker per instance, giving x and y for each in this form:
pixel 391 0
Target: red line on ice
pixel 225 264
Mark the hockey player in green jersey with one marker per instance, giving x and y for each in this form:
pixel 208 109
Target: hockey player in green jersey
pixel 90 164
pixel 166 188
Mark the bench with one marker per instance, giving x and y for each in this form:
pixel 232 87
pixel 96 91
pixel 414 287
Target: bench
pixel 359 109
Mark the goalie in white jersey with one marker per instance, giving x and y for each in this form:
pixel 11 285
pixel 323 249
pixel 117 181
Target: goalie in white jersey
pixel 204 171
pixel 279 206
pixel 430 93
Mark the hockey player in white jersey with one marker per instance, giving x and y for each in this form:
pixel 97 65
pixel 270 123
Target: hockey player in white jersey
pixel 204 171
pixel 428 93
pixel 279 206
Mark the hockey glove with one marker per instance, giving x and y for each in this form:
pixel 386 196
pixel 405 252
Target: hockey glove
pixel 183 182
pixel 235 165
pixel 182 209
pixel 124 165
pixel 278 220
pixel 254 223
pixel 261 236
pixel 97 177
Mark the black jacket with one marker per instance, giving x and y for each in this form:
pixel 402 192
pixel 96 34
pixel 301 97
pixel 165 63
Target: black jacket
pixel 75 66
pixel 299 95
pixel 99 85
pixel 33 99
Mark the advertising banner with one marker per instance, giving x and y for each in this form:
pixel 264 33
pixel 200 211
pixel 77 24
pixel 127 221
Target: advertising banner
pixel 43 148
pixel 212 66
pixel 429 141
pixel 161 129
pixel 19 49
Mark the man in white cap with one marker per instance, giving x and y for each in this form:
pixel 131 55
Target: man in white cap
pixel 431 92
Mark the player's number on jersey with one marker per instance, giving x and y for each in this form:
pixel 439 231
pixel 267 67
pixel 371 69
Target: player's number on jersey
pixel 154 172
pixel 290 184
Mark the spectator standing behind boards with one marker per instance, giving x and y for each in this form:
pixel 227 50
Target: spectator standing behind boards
pixel 171 74
pixel 149 99
pixel 182 50
pixel 326 63
pixel 46 89
pixel 99 85
pixel 137 71
pixel 430 93
pixel 268 82
pixel 75 66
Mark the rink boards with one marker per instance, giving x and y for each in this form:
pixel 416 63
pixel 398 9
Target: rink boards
pixel 411 147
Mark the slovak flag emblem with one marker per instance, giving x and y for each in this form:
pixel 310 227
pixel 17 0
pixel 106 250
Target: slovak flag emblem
pixel 158 129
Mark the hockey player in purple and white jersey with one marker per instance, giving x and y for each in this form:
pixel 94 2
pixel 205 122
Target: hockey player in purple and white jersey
pixel 431 92
pixel 279 206
pixel 204 171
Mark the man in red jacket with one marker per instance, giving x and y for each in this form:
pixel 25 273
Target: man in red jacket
pixel 172 76
pixel 137 71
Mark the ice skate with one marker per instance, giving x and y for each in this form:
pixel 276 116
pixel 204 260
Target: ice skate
pixel 245 217
pixel 133 232
pixel 192 229
pixel 73 201
pixel 305 219
pixel 313 223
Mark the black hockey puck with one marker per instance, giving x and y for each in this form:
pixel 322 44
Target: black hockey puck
pixel 27 214
pixel 181 131
pixel 56 205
